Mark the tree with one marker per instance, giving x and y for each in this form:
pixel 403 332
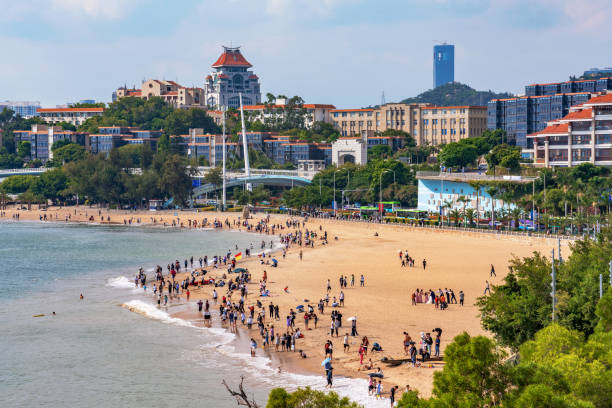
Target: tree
pixel 456 94
pixel 51 184
pixel 69 153
pixel 175 181
pixel 66 126
pixel 457 155
pixel 521 306
pixel 473 375
pixel 214 176
pixel 17 184
pixel 505 156
pixel 24 149
pixel 179 121
pixel 307 398
pixel 60 143
pixel 379 152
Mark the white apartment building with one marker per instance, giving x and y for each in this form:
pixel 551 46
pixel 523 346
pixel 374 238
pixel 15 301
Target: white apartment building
pixel 76 116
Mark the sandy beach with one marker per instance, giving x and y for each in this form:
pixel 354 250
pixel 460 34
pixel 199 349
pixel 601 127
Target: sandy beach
pixel 456 260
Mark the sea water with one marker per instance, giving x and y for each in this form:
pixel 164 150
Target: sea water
pixel 96 353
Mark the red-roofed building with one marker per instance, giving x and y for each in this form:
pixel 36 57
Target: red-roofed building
pixel 171 92
pixel 584 135
pixel 230 78
pixel 75 116
pixel 315 112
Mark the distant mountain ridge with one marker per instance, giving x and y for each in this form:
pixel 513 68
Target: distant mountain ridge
pixel 456 94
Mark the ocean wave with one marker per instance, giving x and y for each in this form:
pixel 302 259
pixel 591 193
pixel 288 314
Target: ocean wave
pixel 120 282
pixel 219 336
pixel 151 311
pixel 261 368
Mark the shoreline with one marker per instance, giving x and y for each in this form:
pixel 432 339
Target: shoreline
pixel 383 306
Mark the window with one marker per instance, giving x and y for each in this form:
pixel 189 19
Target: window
pixel 425 122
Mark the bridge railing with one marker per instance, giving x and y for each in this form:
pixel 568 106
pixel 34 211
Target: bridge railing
pixel 24 171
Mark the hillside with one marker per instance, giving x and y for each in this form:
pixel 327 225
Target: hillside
pixel 456 93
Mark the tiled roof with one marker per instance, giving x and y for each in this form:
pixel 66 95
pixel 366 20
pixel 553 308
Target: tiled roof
pixel 46 110
pixel 597 100
pixel 231 57
pixel 353 110
pixel 581 114
pixel 553 129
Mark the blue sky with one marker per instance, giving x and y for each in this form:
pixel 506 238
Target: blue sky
pixel 344 52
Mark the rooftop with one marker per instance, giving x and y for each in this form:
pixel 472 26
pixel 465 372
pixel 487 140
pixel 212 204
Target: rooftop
pixel 231 57
pixel 467 177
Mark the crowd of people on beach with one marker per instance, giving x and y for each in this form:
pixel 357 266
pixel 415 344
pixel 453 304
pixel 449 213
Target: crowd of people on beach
pixel 440 298
pixel 278 331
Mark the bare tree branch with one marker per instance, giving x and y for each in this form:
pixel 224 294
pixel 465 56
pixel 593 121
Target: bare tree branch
pixel 240 395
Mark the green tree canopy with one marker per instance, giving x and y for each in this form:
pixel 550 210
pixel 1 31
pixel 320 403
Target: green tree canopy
pixel 307 398
pixel 458 155
pixel 69 153
pixel 24 149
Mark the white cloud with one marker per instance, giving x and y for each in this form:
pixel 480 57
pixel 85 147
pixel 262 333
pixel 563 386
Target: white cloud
pixel 103 9
pixel 300 8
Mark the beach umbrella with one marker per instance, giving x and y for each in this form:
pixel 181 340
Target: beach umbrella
pixel 239 270
pixel 350 319
pixel 327 360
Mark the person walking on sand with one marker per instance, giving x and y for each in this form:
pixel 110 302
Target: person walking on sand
pixel 393 390
pixel 347 347
pixel 424 263
pixel 328 374
pixel 487 288
pixel 492 274
pixel 362 281
pixel 300 254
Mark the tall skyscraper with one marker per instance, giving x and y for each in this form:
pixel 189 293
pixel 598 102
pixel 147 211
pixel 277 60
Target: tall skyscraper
pixel 444 64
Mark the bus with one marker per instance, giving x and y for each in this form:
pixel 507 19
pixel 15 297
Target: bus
pixel 412 214
pixel 388 206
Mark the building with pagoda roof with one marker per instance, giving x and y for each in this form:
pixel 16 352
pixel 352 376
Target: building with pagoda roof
pixel 230 77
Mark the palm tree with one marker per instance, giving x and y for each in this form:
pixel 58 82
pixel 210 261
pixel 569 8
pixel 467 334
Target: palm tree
pixel 455 215
pixel 469 214
pixel 476 186
pixel 516 213
pixel 447 204
pixel 493 192
pixel 463 200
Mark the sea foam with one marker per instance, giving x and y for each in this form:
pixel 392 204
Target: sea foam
pixel 260 367
pixel 120 282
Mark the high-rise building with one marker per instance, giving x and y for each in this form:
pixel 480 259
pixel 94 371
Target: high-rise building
pixel 542 103
pixel 231 77
pixel 22 108
pixel 583 135
pixel 444 64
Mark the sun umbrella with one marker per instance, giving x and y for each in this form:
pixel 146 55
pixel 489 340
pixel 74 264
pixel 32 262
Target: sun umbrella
pixel 327 360
pixel 239 270
pixel 350 319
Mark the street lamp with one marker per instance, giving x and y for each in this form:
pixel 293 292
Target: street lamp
pixel 380 204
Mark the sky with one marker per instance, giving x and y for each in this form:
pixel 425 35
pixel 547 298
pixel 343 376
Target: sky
pixel 341 52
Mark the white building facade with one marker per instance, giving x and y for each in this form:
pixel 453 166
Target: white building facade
pixel 231 77
pixel 350 150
